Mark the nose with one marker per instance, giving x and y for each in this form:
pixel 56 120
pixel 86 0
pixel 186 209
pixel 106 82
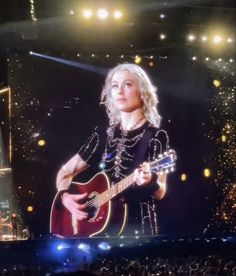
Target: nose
pixel 121 89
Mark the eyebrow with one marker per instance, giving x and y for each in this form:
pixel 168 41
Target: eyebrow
pixel 124 80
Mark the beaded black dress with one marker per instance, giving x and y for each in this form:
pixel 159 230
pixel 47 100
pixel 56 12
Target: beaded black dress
pixel 116 153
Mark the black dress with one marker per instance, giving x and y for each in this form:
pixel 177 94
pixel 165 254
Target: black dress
pixel 118 154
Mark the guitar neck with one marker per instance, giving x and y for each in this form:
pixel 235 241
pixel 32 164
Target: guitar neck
pixel 116 189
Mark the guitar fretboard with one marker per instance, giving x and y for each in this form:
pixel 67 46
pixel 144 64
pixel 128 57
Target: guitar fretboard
pixel 116 189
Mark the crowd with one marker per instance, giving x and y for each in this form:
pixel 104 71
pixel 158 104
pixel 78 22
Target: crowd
pixel 147 266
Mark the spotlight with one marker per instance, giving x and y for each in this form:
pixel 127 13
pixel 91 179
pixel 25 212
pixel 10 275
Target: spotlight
pixel 30 209
pixel 204 38
pixel 223 138
pixel 83 247
pixel 183 177
pixel 191 37
pixel 217 39
pixel 137 59
pixel 121 56
pixel 107 56
pixel 30 52
pixel 41 143
pixel 207 172
pixel 72 12
pixel 87 13
pixel 194 58
pixel 217 83
pixel 102 14
pixel 104 246
pixel 207 59
pixel 117 14
pixel 151 64
pixel 62 246
pixel 229 40
pixel 162 36
pixel 219 59
pixel 162 16
pixel 231 60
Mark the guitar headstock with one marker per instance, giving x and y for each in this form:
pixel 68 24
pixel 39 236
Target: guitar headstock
pixel 165 162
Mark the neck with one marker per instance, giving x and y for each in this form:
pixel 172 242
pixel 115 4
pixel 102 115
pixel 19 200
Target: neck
pixel 129 119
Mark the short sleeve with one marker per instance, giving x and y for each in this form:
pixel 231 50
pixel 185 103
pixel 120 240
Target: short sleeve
pixel 159 143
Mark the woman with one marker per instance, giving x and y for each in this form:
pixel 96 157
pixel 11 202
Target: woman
pixel 133 140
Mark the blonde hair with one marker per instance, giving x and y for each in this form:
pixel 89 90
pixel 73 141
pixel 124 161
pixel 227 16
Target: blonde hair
pixel 146 88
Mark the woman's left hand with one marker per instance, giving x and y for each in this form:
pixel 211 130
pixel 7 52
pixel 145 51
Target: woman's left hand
pixel 142 175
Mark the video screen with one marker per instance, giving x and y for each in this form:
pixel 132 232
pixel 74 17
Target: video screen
pixel 78 155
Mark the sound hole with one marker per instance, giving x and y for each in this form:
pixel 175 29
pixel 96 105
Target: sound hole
pixel 92 206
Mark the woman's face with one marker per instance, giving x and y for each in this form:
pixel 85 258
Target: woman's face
pixel 125 93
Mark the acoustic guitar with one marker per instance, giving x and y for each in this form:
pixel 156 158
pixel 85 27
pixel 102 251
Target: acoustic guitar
pixel 101 203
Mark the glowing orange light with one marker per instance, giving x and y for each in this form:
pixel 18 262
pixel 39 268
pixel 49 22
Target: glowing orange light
pixel 223 138
pixel 151 64
pixel 217 83
pixel 30 208
pixel 183 177
pixel 137 59
pixel 207 172
pixel 41 143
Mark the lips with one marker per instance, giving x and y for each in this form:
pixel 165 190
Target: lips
pixel 121 100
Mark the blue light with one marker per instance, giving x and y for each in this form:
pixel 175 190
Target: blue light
pixel 84 247
pixel 104 246
pixel 62 246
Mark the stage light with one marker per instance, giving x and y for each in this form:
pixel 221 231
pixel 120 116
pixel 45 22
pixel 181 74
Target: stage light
pixel 162 36
pixel 30 52
pixel 92 55
pixel 217 83
pixel 78 55
pixel 223 138
pixel 30 209
pixel 217 39
pixel 102 14
pixel 122 56
pixel 84 247
pixel 194 58
pixel 207 172
pixel 117 14
pixel 219 59
pixel 191 37
pixel 41 143
pixel 204 38
pixel 183 177
pixel 137 59
pixel 62 246
pixel 229 40
pixel 87 13
pixel 207 59
pixel 162 16
pixel 107 56
pixel 231 60
pixel 151 64
pixel 72 12
pixel 104 246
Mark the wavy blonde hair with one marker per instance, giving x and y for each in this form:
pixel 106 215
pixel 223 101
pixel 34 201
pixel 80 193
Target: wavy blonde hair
pixel 146 89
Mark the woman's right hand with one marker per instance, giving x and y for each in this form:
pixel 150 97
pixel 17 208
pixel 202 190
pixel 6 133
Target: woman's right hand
pixel 72 203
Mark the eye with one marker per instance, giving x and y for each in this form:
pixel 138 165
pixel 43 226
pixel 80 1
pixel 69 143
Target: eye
pixel 128 84
pixel 114 86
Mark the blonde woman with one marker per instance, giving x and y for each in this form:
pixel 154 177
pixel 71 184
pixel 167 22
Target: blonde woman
pixel 133 139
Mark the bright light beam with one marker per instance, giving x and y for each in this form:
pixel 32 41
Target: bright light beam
pixel 91 68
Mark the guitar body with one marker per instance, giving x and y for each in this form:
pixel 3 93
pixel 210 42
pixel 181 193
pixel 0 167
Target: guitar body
pixel 63 224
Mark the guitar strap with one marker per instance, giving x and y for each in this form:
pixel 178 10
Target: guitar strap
pixel 143 146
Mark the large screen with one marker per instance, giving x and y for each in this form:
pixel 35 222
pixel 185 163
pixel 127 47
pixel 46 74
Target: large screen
pixel 56 107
